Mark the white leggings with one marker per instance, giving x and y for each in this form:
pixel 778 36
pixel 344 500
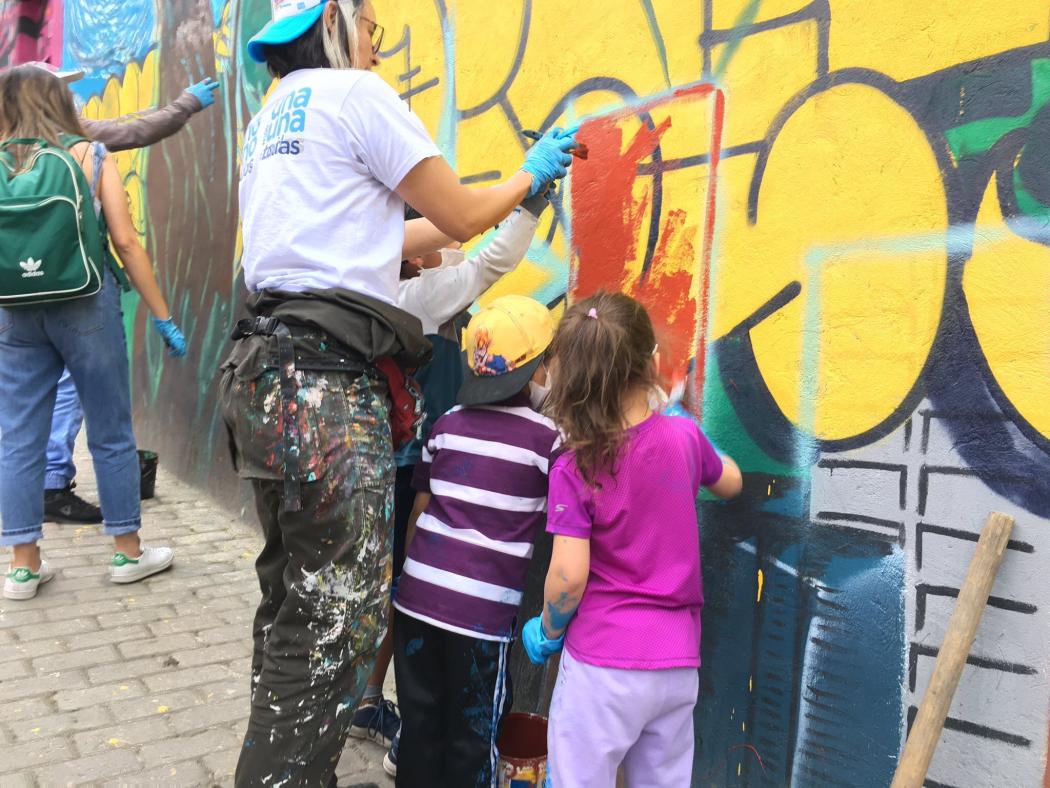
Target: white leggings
pixel 602 717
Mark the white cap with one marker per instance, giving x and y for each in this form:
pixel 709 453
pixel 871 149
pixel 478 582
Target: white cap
pixel 64 76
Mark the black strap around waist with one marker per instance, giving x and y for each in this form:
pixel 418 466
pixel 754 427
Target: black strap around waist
pixel 293 493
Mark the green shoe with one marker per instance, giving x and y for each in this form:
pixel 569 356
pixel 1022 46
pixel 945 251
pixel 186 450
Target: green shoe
pixel 22 583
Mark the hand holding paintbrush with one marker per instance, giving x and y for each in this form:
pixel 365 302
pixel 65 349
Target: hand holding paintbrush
pixel 579 151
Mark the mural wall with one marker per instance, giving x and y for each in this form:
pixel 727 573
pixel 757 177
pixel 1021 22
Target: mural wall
pixel 838 214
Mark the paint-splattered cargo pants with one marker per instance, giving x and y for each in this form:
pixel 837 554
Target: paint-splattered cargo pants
pixel 324 571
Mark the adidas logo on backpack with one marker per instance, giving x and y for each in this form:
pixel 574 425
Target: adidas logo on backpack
pixel 31 268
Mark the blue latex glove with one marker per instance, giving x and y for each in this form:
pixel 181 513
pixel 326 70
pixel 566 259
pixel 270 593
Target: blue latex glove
pixel 549 159
pixel 537 645
pixel 204 91
pixel 173 338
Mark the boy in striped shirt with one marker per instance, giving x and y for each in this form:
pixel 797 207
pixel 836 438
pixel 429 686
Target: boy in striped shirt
pixel 481 501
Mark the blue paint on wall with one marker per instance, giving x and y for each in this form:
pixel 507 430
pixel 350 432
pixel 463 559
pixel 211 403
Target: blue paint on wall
pixel 103 36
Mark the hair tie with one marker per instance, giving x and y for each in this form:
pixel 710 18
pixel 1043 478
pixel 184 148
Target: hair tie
pixel 592 313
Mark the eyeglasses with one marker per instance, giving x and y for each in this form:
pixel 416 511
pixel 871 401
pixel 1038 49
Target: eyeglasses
pixel 375 34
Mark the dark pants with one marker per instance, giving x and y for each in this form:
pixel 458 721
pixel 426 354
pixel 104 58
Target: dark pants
pixel 453 691
pixel 324 572
pixel 404 500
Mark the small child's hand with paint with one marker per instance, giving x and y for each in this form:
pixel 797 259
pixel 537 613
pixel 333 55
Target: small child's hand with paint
pixel 537 645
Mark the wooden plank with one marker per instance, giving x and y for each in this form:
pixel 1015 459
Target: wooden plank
pixel 962 628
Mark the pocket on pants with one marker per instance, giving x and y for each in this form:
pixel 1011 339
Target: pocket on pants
pixel 342 422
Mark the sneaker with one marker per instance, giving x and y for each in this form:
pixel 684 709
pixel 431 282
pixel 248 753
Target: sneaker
pixel 378 722
pixel 390 759
pixel 130 570
pixel 23 582
pixel 65 506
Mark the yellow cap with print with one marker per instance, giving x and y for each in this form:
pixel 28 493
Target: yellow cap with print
pixel 503 344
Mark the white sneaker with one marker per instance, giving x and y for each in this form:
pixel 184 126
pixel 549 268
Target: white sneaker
pixel 22 583
pixel 130 570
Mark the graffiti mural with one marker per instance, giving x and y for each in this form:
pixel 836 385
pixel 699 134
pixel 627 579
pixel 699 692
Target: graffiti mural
pixel 30 30
pixel 839 215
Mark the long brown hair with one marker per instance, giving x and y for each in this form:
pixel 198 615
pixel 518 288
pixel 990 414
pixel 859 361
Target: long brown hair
pixel 602 350
pixel 34 103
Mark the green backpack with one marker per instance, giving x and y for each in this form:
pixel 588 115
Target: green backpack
pixel 52 245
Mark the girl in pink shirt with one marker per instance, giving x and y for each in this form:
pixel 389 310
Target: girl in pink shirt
pixel 623 592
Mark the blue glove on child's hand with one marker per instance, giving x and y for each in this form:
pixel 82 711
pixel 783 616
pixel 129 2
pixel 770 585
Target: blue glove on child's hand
pixel 549 158
pixel 537 645
pixel 173 338
pixel 204 91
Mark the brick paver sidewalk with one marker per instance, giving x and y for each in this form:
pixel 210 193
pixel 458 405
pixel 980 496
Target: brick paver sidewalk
pixel 144 683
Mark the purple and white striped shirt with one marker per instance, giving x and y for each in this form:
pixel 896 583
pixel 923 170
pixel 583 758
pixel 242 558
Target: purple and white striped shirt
pixel 486 471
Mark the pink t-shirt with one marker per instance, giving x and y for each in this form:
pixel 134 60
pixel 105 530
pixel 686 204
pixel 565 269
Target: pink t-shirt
pixel 641 609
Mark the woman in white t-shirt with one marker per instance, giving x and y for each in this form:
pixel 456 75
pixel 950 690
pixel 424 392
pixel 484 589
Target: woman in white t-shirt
pixel 326 167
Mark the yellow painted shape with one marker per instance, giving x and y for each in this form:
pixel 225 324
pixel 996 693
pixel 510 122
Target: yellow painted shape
pixel 850 170
pixel 680 25
pixel 135 91
pixel 486 36
pixel 572 42
pixel 761 582
pixel 222 39
pixel 689 133
pixel 487 143
pixel 909 38
pixel 423 25
pixel 725 14
pixel 765 73
pixel 741 277
pixel 1007 285
pixel 558 312
pixel 525 279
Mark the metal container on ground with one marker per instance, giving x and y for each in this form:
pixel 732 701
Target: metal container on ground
pixel 522 751
pixel 148 469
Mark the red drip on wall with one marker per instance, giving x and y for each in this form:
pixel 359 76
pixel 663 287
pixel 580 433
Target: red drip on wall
pixel 606 218
pixel 608 225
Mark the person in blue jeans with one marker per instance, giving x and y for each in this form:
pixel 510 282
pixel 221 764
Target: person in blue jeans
pixel 85 335
pixel 138 130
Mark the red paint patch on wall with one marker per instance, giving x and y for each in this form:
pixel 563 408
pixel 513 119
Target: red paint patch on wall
pixel 611 217
pixel 31 30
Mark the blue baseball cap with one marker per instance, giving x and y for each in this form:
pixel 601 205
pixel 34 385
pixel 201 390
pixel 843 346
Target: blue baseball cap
pixel 291 19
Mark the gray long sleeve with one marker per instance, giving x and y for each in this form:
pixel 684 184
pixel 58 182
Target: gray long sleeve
pixel 141 129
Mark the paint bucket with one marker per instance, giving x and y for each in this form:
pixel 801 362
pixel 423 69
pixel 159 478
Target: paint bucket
pixel 522 751
pixel 148 474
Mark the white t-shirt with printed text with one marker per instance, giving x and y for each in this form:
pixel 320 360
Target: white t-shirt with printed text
pixel 319 167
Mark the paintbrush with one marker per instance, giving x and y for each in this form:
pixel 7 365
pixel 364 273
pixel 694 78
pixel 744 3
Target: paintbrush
pixel 580 151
